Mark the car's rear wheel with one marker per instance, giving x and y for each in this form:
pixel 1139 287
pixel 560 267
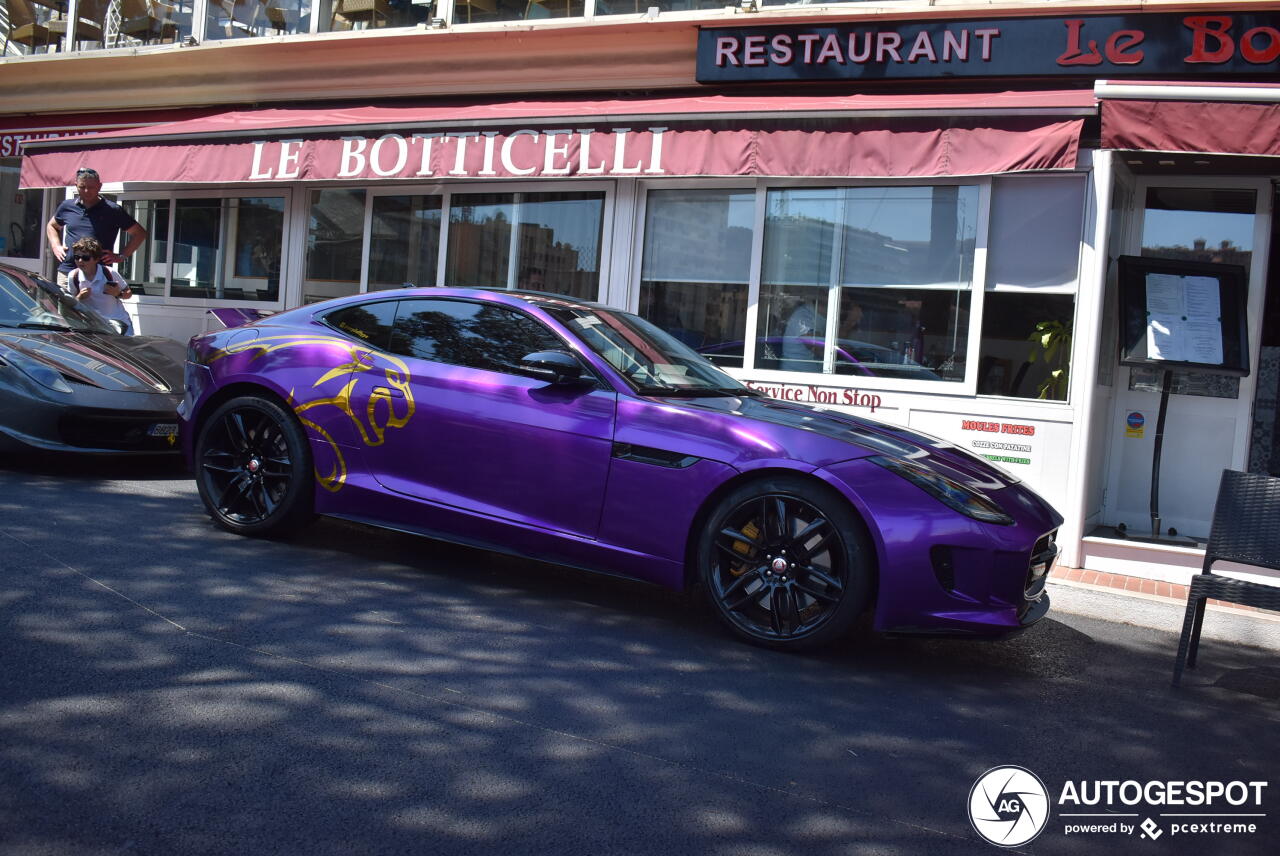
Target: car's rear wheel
pixel 253 468
pixel 786 563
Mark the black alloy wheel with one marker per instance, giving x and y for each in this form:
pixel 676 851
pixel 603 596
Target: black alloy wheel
pixel 253 468
pixel 786 563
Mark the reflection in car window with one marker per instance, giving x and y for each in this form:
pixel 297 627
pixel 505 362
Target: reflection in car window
pixel 464 333
pixel 368 322
pixel 647 356
pixel 43 304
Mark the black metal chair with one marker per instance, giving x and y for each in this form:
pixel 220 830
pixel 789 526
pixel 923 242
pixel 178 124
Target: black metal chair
pixel 1246 529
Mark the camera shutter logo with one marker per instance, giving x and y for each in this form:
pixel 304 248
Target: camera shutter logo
pixel 1008 806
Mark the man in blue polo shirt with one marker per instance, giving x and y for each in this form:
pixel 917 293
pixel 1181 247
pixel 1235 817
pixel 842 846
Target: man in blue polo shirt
pixel 91 216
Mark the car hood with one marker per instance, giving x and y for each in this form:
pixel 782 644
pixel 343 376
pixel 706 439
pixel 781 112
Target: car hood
pixel 876 438
pixel 124 363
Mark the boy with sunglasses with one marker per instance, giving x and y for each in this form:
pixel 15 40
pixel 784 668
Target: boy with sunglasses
pixel 96 285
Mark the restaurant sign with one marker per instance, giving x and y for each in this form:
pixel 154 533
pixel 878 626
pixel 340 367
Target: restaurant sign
pixel 1098 46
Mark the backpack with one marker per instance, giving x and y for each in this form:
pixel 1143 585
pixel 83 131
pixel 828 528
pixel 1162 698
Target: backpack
pixel 75 278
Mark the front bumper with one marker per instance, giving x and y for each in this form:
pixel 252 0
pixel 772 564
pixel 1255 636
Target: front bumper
pixel 941 573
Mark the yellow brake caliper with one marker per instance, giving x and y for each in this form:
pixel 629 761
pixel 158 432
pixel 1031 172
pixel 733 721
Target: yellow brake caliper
pixel 744 549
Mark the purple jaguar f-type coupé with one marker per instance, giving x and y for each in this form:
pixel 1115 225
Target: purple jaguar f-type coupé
pixel 567 431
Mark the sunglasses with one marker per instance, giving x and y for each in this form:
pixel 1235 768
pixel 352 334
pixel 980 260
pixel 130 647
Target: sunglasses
pixel 84 170
pixel 85 258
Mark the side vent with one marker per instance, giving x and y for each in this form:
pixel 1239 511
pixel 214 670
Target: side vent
pixel 943 566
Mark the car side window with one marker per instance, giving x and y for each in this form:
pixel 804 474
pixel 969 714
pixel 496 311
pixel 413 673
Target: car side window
pixel 369 322
pixel 466 333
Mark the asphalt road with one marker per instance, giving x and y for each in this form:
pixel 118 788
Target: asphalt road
pixel 167 688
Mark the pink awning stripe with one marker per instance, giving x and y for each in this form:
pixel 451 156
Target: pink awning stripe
pixel 1209 127
pixel 869 136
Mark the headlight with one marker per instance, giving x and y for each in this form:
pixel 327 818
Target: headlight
pixel 37 371
pixel 949 492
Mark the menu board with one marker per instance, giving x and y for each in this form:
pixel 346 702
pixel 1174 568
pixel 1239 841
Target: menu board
pixel 1181 314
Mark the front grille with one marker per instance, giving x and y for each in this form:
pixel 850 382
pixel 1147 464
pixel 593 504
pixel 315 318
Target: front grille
pixel 127 432
pixel 1042 557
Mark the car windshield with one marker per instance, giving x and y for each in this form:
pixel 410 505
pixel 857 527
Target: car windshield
pixel 651 360
pixel 43 306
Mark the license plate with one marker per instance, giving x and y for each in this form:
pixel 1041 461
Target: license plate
pixel 164 429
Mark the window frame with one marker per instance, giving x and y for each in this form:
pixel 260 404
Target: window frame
pixel 1072 289
pixel 447 190
pixel 253 191
pixel 977 287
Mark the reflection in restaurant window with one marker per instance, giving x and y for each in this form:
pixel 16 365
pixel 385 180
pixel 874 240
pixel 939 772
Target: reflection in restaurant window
pixel 868 281
pixel 639 7
pixel 405 241
pixel 223 248
pixel 20 214
pixel 239 19
pixel 697 261
pixel 335 240
pixel 554 244
pixel 486 11
pixel 259 227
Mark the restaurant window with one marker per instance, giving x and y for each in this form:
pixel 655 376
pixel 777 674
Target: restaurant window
pixel 404 243
pixel 1033 265
pixel 696 268
pixel 239 19
pixel 146 270
pixel 868 281
pixel 335 241
pixel 227 248
pixel 538 241
pixel 487 11
pixel 224 248
pixel 21 213
pixel 639 7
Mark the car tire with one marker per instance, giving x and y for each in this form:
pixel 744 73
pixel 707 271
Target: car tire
pixel 786 563
pixel 253 468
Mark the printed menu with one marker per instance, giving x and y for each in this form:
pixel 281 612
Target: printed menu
pixel 1184 319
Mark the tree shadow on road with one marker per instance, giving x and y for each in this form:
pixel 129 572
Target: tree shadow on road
pixel 183 690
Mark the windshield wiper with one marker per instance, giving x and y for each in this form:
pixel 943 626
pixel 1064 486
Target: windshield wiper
pixel 694 391
pixel 43 325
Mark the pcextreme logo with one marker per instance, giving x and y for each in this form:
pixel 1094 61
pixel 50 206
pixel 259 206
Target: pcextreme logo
pixel 1010 806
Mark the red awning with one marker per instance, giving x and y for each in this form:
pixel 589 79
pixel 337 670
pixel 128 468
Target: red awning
pixel 1230 119
pixel 861 136
pixel 15 131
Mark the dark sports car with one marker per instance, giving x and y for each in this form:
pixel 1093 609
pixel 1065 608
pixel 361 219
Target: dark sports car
pixel 69 381
pixel 572 432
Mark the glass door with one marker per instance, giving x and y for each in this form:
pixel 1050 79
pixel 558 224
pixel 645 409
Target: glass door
pixel 1208 422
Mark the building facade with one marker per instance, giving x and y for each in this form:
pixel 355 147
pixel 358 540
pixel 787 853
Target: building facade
pixel 907 210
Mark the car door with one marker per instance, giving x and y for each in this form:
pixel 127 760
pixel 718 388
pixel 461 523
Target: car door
pixel 481 437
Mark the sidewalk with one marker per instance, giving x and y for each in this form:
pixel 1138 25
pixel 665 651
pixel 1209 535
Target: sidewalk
pixel 1159 605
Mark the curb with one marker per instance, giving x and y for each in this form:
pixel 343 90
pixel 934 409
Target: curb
pixel 1221 623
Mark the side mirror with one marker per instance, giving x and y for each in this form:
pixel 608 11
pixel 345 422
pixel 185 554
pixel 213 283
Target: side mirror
pixel 118 325
pixel 551 366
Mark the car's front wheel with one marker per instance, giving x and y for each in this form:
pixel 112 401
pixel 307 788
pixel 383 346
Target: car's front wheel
pixel 786 563
pixel 253 468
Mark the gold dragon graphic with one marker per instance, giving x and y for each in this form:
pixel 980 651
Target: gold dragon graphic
pixel 359 359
